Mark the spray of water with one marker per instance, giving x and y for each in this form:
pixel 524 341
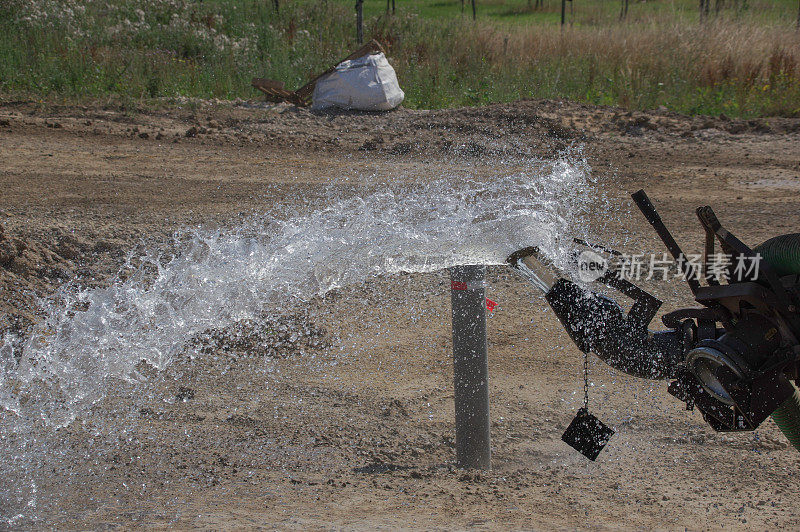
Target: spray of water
pixel 91 338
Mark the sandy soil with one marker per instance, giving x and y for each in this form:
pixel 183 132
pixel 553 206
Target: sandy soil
pixel 356 431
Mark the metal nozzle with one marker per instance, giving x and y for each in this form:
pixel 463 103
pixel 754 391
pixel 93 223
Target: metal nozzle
pixel 534 267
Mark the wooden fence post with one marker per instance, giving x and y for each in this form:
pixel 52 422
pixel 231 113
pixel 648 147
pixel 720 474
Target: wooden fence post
pixel 704 7
pixel 360 21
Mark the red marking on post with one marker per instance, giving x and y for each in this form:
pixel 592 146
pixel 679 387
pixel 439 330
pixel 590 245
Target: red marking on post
pixel 458 285
pixel 490 305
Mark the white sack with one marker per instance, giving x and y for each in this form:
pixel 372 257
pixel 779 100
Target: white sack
pixel 366 84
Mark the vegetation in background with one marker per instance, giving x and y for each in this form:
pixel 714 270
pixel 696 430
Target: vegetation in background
pixel 742 61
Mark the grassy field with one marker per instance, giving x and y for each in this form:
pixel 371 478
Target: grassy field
pixel 742 61
pixel 585 12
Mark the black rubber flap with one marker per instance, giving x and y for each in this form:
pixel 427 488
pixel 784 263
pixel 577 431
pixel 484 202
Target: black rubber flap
pixel 587 434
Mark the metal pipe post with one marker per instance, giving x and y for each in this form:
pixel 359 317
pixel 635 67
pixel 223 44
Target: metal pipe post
pixel 470 366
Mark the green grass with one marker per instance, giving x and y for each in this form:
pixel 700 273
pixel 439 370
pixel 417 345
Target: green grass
pixel 743 62
pixel 587 12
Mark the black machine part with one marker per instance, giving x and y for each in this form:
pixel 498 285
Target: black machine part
pixel 736 374
pixel 742 350
pixel 598 324
pixel 732 359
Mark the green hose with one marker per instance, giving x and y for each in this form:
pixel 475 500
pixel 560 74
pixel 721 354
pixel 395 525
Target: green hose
pixel 787 417
pixel 783 254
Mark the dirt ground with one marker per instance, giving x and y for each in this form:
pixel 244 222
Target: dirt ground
pixel 357 430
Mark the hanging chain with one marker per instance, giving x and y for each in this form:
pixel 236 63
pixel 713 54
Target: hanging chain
pixel 586 381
